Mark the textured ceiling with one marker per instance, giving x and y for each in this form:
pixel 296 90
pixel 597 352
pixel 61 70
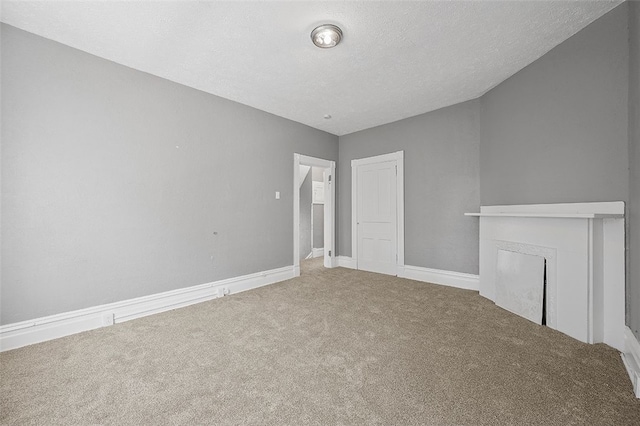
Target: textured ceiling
pixel 397 59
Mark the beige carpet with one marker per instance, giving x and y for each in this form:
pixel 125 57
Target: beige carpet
pixel 331 347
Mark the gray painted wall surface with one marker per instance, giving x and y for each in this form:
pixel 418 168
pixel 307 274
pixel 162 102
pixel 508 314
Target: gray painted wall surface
pixel 305 216
pixel 318 212
pixel 633 256
pixel 441 151
pixel 318 226
pixel 560 130
pixel 98 202
pixel 557 130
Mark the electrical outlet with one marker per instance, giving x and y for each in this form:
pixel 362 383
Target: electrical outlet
pixel 107 319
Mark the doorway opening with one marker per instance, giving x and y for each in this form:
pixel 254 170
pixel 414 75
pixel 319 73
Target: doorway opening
pixel 313 212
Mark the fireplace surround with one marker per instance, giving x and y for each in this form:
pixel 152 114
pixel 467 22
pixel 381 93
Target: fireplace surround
pixel 584 251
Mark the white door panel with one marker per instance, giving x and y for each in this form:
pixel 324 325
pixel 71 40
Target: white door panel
pixel 377 217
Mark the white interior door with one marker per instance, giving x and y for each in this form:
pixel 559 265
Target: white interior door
pixel 328 206
pixel 377 217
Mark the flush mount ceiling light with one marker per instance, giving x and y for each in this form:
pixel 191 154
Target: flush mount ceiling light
pixel 326 36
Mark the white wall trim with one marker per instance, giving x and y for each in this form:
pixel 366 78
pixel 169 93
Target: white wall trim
pixel 378 159
pixel 428 275
pixel 400 205
pixel 608 207
pixel 631 359
pixel 329 180
pixel 318 252
pixel 38 330
pixel 398 157
pixel 438 276
pixel 314 161
pixel 346 262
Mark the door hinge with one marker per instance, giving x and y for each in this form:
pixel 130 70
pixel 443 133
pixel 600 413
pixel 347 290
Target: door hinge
pixel 329 253
pixel 329 178
pixel 396 170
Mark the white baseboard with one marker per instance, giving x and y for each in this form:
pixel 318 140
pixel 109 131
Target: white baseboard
pixel 318 252
pixel 438 276
pixel 631 359
pixel 346 262
pixel 38 330
pixel 435 276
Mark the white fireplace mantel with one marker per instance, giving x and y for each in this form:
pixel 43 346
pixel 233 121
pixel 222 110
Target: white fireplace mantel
pixel 556 215
pixel 584 247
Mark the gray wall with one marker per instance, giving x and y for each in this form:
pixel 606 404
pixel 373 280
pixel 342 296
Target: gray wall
pixel 557 130
pixel 318 212
pixel 562 130
pixel 441 151
pixel 114 182
pixel 318 226
pixel 305 216
pixel 633 287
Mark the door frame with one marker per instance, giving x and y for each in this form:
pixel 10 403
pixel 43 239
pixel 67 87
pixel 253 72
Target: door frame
pixel 398 157
pixel 329 208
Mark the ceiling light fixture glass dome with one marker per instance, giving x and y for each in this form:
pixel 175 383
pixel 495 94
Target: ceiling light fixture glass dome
pixel 326 36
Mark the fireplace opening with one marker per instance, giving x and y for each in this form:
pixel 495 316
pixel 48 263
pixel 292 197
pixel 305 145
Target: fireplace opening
pixel 544 293
pixel 521 284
